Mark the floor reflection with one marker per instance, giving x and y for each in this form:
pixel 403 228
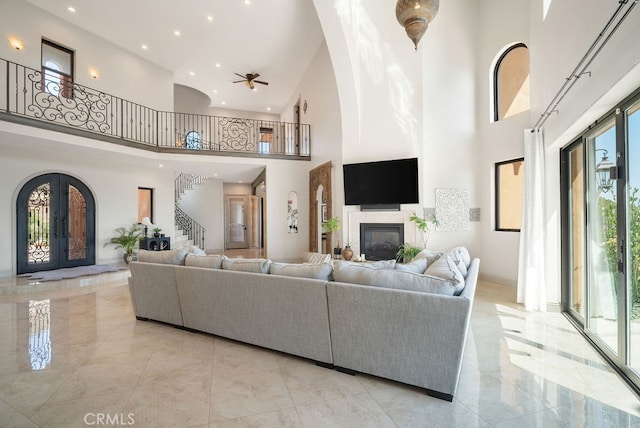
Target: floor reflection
pixel 40 333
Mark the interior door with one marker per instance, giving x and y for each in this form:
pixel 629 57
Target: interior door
pixel 55 224
pixel 236 235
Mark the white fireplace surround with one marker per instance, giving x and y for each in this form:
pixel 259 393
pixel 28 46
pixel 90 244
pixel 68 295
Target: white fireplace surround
pixel 355 218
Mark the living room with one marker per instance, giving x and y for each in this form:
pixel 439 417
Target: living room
pixel 370 96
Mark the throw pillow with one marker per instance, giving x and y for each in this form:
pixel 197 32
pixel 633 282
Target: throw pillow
pixel 380 264
pixel 392 278
pixel 171 257
pixel 415 266
pixel 430 256
pixel 446 268
pixel 319 258
pixel 246 265
pixel 196 251
pixel 322 271
pixel 211 262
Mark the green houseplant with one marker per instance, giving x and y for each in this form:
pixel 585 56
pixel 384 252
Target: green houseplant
pixel 406 252
pixel 127 240
pixel 424 227
pixel 330 226
pixel 156 232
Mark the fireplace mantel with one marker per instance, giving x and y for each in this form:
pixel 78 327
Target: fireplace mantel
pixel 355 218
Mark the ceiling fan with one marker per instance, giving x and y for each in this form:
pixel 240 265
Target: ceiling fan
pixel 249 79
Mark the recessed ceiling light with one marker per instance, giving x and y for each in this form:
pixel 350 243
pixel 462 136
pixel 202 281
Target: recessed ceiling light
pixel 218 65
pixel 210 18
pixel 71 9
pixel 176 32
pixel 215 91
pixel 223 102
pixel 268 108
pixel 240 181
pixel 247 1
pixel 160 165
pixel 144 47
pixel 215 174
pixel 191 73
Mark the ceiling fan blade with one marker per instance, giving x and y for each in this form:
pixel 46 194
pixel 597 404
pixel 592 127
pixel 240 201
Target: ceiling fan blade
pixel 261 82
pixel 253 76
pixel 239 81
pixel 240 75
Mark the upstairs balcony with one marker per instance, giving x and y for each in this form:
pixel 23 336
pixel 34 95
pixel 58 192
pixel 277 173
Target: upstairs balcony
pixel 50 101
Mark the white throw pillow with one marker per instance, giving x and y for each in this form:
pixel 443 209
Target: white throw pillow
pixel 211 262
pixel 246 265
pixel 446 268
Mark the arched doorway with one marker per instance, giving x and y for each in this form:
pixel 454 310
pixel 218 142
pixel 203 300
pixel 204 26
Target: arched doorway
pixel 55 216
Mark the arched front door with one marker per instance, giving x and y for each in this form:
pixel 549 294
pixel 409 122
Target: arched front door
pixel 56 224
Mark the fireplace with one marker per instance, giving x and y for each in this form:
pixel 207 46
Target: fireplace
pixel 380 241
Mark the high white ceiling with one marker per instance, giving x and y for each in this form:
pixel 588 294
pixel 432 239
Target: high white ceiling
pixel 276 38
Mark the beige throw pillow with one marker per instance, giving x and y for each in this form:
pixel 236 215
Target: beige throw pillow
pixel 171 257
pixel 211 262
pixel 322 271
pixel 446 268
pixel 246 265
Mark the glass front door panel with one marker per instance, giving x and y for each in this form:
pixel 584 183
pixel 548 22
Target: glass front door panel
pixel 633 244
pixel 576 216
pixel 602 217
pixel 38 230
pixel 77 237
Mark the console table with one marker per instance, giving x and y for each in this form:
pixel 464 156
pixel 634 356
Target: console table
pixel 155 244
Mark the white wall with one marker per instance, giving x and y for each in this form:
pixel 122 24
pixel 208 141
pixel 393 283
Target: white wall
pixel 505 23
pixel 396 103
pixel 243 114
pixel 190 100
pixel 205 204
pixel 113 177
pixel 121 73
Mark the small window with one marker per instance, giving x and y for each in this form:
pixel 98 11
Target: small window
pixel 57 69
pixel 192 141
pixel 509 192
pixel 511 82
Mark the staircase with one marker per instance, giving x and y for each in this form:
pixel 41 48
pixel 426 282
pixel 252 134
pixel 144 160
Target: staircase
pixel 187 231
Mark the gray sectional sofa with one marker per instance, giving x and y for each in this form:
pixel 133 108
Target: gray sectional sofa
pixel 414 337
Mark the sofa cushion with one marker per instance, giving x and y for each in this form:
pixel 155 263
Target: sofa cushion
pixel 415 266
pixel 430 256
pixel 319 258
pixel 322 271
pixel 170 257
pixel 392 278
pixel 246 265
pixel 204 261
pixel 445 268
pixel 460 254
pixel 380 264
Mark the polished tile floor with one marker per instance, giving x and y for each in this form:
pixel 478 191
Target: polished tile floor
pixel 72 354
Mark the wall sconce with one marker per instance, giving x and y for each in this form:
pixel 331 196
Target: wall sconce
pixel 415 16
pixel 94 73
pixel 16 43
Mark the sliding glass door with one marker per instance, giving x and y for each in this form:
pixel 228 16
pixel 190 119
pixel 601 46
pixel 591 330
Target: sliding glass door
pixel 601 236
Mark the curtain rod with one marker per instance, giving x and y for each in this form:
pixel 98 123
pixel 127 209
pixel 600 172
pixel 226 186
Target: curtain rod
pixel 586 60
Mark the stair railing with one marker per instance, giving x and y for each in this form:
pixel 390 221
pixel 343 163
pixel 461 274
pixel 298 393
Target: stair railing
pixel 194 230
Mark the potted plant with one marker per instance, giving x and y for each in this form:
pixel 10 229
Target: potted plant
pixel 127 239
pixel 406 252
pixel 423 226
pixel 330 226
pixel 156 232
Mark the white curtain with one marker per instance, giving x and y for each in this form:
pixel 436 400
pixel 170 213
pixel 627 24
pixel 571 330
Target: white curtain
pixel 531 265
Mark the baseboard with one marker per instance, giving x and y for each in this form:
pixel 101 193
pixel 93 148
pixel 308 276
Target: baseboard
pixel 554 307
pixel 498 280
pixel 6 273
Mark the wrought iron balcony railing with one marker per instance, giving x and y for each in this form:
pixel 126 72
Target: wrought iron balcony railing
pixel 36 98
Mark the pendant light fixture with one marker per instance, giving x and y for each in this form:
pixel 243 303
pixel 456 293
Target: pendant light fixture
pixel 415 16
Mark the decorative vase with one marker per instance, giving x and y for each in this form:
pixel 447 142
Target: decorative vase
pixel 128 257
pixel 347 253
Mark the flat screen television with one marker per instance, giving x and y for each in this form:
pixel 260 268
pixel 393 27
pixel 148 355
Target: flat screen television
pixel 384 182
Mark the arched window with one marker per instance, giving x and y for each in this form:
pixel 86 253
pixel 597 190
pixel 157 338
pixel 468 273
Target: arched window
pixel 192 141
pixel 511 82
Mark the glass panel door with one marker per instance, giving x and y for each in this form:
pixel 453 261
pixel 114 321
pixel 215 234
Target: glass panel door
pixel 602 218
pixel 633 234
pixel 576 231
